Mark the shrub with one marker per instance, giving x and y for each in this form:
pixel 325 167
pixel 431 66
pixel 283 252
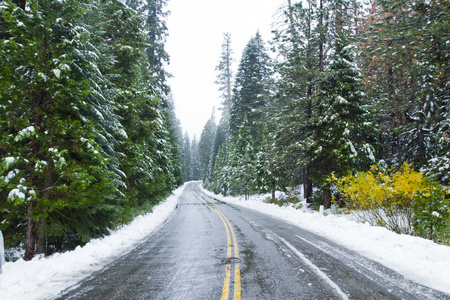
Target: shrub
pixel 291 197
pixel 432 213
pixel 383 197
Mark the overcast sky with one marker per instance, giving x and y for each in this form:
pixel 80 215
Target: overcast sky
pixel 195 29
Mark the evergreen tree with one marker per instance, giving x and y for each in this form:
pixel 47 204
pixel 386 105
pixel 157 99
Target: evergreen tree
pixel 205 149
pixel 195 160
pixel 188 168
pixel 222 170
pixel 50 147
pixel 90 142
pixel 340 138
pixel 405 64
pixel 300 69
pixel 225 76
pixel 243 162
pixel 251 88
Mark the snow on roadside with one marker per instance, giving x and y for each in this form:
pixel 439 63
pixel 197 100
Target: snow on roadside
pixel 417 259
pixel 43 278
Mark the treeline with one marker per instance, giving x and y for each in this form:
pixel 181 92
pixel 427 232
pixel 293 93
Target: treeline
pixel 350 86
pixel 88 133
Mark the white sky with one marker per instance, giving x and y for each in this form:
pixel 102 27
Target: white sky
pixel 195 29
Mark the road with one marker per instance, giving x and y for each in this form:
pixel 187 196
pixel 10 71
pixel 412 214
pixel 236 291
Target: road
pixel 213 250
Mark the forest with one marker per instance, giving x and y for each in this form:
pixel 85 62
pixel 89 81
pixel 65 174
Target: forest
pixel 89 138
pixel 347 104
pixel 346 96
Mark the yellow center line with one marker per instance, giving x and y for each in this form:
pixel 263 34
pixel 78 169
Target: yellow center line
pixel 237 282
pixel 226 283
pixel 237 271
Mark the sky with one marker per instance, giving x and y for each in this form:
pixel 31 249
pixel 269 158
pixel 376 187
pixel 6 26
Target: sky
pixel 195 36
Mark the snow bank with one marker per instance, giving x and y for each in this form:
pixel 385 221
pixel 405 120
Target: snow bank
pixel 45 277
pixel 415 258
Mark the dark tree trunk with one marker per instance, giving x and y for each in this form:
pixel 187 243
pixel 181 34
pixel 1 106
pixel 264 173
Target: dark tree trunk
pixel 42 231
pixel 326 198
pixel 30 239
pixel 30 233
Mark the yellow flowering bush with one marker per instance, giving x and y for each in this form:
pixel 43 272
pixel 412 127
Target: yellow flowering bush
pixel 383 197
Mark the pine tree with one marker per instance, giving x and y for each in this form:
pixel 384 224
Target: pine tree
pixel 188 168
pixel 405 64
pixel 298 41
pixel 251 88
pixel 205 149
pixel 243 162
pixel 91 141
pixel 222 170
pixel 52 148
pixel 225 76
pixel 195 160
pixel 340 139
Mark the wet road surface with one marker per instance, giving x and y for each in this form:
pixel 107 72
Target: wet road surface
pixel 213 250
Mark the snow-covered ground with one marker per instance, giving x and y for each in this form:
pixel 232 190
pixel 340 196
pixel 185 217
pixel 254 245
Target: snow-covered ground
pixel 417 259
pixel 42 278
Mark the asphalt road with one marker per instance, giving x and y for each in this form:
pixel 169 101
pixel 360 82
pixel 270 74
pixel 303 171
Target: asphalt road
pixel 213 250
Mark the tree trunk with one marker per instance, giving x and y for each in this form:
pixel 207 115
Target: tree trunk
pixel 30 234
pixel 30 238
pixel 273 189
pixel 322 37
pixel 307 188
pixel 326 198
pixel 42 231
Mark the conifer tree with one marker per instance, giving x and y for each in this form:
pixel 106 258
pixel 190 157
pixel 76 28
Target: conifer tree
pixel 205 147
pixel 195 160
pixel 406 62
pixel 251 88
pixel 243 162
pixel 225 76
pixel 188 168
pixel 222 170
pixel 51 147
pixel 91 140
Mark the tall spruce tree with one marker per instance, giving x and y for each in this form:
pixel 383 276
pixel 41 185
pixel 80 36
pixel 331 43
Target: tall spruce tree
pixel 225 76
pixel 300 68
pixel 243 162
pixel 205 147
pixel 250 90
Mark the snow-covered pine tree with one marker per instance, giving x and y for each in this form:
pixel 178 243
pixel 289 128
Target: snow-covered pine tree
pixel 205 147
pixel 187 172
pixel 195 160
pixel 243 162
pixel 250 90
pixel 340 141
pixel 406 68
pixel 299 71
pixel 225 76
pixel 222 170
pixel 51 160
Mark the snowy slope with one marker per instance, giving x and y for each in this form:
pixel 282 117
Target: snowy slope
pixel 43 277
pixel 417 259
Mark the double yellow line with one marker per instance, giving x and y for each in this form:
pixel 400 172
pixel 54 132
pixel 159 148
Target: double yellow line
pixel 230 260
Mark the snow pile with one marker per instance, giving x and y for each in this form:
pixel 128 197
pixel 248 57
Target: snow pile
pixel 415 258
pixel 45 277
